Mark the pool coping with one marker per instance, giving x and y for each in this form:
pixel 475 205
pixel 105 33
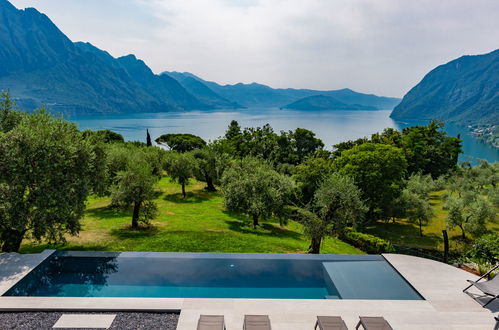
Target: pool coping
pixel 215 255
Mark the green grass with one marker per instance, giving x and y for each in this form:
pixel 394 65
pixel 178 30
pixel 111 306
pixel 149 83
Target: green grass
pixel 198 223
pixel 406 233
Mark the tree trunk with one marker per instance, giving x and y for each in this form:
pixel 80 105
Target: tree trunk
pixel 183 190
pixel 446 245
pixel 255 221
pixel 463 234
pixel 315 245
pixel 135 216
pixel 209 184
pixel 420 228
pixel 12 240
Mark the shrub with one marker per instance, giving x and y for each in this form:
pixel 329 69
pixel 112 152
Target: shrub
pixel 485 250
pixel 368 243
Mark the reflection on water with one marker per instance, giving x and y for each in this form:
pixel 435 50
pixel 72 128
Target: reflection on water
pixel 109 274
pixel 331 126
pixel 96 276
pixel 51 277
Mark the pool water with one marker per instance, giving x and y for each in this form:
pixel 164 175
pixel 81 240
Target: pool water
pixel 211 275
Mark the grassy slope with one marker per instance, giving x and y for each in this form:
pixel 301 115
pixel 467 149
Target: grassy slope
pixel 406 233
pixel 197 224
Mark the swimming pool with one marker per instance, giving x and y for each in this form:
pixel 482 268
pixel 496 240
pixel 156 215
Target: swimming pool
pixel 215 275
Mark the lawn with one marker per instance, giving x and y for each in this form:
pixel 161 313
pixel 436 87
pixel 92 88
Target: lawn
pixel 198 223
pixel 406 233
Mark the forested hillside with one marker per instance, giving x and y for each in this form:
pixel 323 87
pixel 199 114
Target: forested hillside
pixel 465 90
pixel 40 65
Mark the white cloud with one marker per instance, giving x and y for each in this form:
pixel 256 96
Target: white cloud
pixel 380 46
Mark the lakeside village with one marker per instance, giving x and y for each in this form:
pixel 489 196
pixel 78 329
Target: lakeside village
pixel 488 134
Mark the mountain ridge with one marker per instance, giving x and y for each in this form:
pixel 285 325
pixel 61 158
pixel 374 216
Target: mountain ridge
pixel 42 66
pixel 464 90
pixel 324 102
pixel 255 94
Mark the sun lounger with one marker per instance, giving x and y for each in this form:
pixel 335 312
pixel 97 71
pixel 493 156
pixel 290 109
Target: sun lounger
pixel 489 288
pixel 256 322
pixel 211 322
pixel 330 323
pixel 373 323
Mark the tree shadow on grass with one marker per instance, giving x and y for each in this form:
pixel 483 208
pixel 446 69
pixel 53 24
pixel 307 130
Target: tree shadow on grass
pixel 196 196
pixel 108 212
pixel 129 233
pixel 157 194
pixel 403 233
pixel 241 224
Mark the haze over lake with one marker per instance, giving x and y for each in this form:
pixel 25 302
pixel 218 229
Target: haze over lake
pixel 330 126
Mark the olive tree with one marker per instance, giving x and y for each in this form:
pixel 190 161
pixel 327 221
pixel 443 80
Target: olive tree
pixel 471 197
pixel 180 167
pixel 46 173
pixel 416 197
pixel 469 214
pixel 134 187
pixel 337 204
pixel 209 166
pixel 252 187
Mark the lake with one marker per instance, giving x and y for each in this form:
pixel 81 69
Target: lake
pixel 330 126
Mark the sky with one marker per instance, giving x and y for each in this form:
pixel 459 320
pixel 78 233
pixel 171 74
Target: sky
pixel 383 47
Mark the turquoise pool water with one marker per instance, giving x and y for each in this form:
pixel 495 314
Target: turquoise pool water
pixel 211 275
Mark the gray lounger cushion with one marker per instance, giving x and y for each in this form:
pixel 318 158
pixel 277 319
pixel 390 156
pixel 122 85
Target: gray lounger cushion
pixel 374 323
pixel 331 323
pixel 256 322
pixel 211 322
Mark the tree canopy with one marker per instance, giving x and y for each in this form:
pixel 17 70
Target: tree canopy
pixel 378 170
pixel 46 173
pixel 291 147
pixel 427 148
pixel 105 136
pixel 252 187
pixel 181 142
pixel 309 176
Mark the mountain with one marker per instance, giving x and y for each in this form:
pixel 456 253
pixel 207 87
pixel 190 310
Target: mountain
pixel 201 91
pixel 40 65
pixel 323 102
pixel 258 95
pixel 465 91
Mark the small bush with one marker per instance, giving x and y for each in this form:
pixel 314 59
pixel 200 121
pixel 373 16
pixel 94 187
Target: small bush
pixel 484 250
pixel 368 243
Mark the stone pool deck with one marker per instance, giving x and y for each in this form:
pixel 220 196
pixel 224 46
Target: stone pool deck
pixel 445 306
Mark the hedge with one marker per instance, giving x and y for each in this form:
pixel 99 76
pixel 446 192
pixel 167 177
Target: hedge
pixel 368 243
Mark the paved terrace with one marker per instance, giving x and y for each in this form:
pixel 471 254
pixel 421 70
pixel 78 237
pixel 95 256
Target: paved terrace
pixel 446 307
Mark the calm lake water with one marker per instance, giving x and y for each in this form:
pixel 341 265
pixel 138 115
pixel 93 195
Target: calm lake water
pixel 330 126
